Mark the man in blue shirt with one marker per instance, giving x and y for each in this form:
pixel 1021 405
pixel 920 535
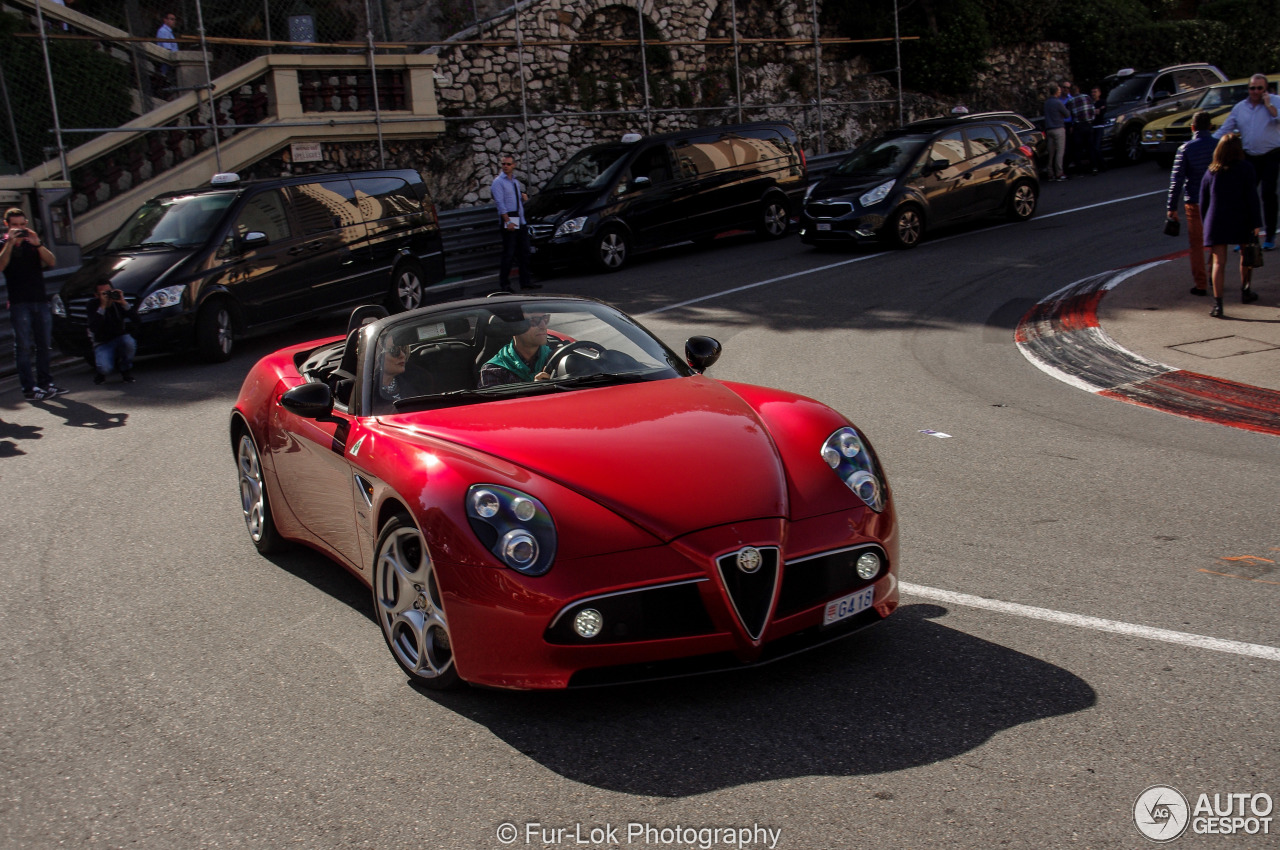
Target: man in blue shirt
pixel 1189 165
pixel 509 197
pixel 1257 120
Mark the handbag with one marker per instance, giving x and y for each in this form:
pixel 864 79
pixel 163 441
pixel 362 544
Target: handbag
pixel 1172 227
pixel 1251 255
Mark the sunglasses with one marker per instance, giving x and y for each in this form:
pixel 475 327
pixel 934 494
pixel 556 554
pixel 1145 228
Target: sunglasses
pixel 539 320
pixel 1257 88
pixel 397 350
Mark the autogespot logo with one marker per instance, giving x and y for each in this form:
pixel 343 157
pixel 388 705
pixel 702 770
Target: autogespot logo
pixel 1161 813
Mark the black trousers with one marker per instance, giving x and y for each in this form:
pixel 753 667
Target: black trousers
pixel 1268 167
pixel 515 249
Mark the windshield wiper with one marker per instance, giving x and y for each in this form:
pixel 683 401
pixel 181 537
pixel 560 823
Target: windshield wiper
pixel 155 245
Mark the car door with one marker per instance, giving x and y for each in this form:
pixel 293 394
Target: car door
pixel 987 169
pixel 706 162
pixel 335 260
pixel 942 181
pixel 649 198
pixel 392 215
pixel 258 259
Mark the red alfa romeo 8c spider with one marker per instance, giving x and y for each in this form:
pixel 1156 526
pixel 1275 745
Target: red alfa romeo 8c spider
pixel 540 494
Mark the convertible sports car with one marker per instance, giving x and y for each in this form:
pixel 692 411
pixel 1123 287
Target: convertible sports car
pixel 603 513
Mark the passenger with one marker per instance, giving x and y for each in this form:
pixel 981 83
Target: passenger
pixel 524 357
pixel 392 381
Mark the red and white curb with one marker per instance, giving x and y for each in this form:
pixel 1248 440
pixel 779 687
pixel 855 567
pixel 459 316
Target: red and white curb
pixel 1061 336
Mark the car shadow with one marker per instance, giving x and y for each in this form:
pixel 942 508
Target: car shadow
pixel 909 692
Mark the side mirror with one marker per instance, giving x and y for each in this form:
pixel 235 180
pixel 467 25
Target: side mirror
pixel 935 165
pixel 310 401
pixel 640 182
pixel 254 239
pixel 701 352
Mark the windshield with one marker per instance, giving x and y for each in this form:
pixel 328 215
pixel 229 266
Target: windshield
pixel 1223 96
pixel 179 222
pixel 883 157
pixel 591 168
pixel 1129 89
pixel 480 354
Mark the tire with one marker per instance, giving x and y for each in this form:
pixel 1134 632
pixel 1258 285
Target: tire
pixel 774 219
pixel 612 250
pixel 1023 200
pixel 215 331
pixel 905 228
pixel 1131 146
pixel 408 287
pixel 409 606
pixel 254 502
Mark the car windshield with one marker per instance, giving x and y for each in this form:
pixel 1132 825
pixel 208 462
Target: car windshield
pixel 476 354
pixel 1223 96
pixel 1129 89
pixel 591 168
pixel 886 157
pixel 184 221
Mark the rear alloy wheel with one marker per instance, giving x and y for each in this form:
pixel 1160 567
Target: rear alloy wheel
pixel 1022 201
pixel 410 607
pixel 253 498
pixel 215 332
pixel 407 288
pixel 612 249
pixel 904 228
pixel 774 219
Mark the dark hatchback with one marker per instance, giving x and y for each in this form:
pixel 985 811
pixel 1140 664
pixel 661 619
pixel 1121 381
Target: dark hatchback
pixel 205 266
pixel 901 184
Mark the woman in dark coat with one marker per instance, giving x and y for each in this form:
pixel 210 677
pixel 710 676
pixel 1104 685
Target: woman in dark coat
pixel 1231 211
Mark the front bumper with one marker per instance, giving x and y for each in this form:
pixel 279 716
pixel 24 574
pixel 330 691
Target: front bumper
pixel 681 617
pixel 853 227
pixel 166 329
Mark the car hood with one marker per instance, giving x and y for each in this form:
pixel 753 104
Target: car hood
pixel 551 205
pixel 850 186
pixel 130 271
pixel 672 456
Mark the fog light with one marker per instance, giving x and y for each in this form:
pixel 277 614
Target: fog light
pixel 588 623
pixel 868 565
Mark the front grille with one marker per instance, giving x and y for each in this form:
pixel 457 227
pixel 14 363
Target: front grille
pixel 750 592
pixel 814 580
pixel 541 231
pixel 647 613
pixel 828 209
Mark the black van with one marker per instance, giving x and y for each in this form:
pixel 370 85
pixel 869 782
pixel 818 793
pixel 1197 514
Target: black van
pixel 643 192
pixel 207 265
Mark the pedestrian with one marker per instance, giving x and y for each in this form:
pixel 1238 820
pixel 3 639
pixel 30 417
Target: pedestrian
pixel 1082 115
pixel 1069 124
pixel 1095 137
pixel 23 259
pixel 1189 166
pixel 509 197
pixel 1055 115
pixel 1229 205
pixel 113 345
pixel 1257 120
pixel 164 35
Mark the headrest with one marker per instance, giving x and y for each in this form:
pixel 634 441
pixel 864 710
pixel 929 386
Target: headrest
pixel 457 326
pixel 404 336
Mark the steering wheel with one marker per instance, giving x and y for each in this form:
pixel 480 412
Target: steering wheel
pixel 562 353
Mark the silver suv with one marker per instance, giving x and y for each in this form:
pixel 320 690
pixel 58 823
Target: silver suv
pixel 1134 98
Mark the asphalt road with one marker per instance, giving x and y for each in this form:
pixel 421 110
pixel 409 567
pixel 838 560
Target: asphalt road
pixel 164 686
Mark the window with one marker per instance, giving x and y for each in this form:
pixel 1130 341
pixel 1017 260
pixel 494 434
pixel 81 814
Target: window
pixel 1165 85
pixel 264 213
pixel 987 139
pixel 655 163
pixel 324 206
pixel 950 148
pixel 383 197
pixel 704 155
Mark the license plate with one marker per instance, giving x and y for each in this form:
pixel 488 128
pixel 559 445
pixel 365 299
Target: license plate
pixel 824 226
pixel 847 606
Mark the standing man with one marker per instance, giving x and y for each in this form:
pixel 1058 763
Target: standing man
pixel 23 259
pixel 1257 120
pixel 1189 166
pixel 1055 116
pixel 164 35
pixel 1082 115
pixel 509 196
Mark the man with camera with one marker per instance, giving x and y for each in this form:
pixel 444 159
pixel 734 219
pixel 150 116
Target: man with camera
pixel 23 259
pixel 113 345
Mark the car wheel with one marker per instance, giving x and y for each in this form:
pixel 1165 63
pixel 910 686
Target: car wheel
pixel 215 331
pixel 612 248
pixel 904 228
pixel 254 502
pixel 1131 146
pixel 410 607
pixel 1022 201
pixel 407 287
pixel 774 219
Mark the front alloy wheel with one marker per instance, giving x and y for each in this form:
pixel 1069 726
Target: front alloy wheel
pixel 409 606
pixel 905 227
pixel 253 498
pixel 215 332
pixel 611 250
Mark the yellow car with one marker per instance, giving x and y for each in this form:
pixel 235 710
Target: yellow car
pixel 1162 138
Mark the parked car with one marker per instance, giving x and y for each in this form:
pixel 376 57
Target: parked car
pixel 1133 99
pixel 901 184
pixel 1162 138
pixel 208 265
pixel 612 200
pixel 628 518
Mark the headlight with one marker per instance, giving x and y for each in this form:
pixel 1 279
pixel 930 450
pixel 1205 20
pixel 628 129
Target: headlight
pixel 809 191
pixel 848 456
pixel 167 297
pixel 573 225
pixel 514 526
pixel 877 194
pixel 58 308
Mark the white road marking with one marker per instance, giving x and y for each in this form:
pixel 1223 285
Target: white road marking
pixel 1253 650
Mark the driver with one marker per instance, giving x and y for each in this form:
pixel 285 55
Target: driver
pixel 524 358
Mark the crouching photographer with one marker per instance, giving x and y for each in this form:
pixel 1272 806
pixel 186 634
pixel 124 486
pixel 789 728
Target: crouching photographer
pixel 113 345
